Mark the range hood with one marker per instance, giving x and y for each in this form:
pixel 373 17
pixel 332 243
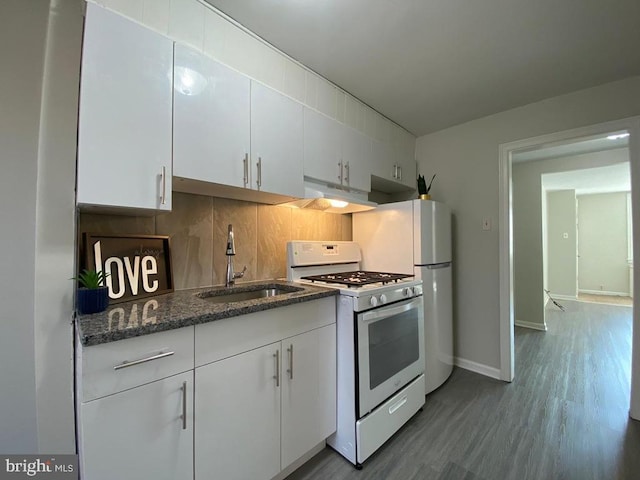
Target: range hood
pixel 330 199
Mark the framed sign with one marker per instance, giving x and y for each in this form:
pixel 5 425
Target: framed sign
pixel 138 265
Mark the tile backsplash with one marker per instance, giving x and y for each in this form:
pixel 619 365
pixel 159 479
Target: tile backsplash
pixel 197 227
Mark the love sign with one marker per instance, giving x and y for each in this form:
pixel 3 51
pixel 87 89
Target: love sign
pixel 138 265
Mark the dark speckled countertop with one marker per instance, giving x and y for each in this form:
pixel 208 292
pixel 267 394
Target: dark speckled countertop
pixel 186 307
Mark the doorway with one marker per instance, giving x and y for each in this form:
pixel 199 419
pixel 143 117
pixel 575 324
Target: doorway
pixel 507 313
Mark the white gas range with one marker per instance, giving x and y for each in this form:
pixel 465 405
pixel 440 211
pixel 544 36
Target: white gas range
pixel 380 339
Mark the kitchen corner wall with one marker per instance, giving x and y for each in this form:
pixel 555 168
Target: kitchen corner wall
pixel 197 228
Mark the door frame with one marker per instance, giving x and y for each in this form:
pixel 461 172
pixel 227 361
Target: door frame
pixel 505 227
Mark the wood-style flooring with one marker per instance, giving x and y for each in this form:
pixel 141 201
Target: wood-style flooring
pixel 565 416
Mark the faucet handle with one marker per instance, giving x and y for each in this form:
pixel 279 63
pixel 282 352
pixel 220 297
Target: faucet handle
pixel 240 274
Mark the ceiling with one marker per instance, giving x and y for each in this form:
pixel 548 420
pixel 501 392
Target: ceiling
pixel 612 178
pixel 431 64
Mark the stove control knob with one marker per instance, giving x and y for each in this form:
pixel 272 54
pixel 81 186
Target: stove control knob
pixel 407 291
pixel 417 290
pixel 383 298
pixel 373 301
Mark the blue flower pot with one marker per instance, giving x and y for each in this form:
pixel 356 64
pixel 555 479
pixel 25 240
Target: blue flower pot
pixel 92 300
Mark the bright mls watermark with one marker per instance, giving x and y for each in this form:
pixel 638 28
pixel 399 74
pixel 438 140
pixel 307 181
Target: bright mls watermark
pixel 49 467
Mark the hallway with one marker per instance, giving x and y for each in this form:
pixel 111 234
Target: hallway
pixel 565 415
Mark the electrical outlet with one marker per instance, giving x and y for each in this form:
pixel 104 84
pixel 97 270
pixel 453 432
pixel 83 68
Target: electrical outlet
pixel 486 224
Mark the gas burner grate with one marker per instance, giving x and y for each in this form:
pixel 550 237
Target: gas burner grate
pixel 358 278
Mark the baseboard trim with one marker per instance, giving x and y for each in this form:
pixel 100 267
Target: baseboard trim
pixel 605 292
pixel 480 368
pixel 532 325
pixel 557 296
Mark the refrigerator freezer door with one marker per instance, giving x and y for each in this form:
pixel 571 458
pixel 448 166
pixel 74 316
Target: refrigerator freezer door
pixel 385 235
pixel 432 232
pixel 438 320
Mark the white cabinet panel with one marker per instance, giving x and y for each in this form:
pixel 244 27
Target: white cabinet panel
pixel 211 120
pixel 356 159
pixel 276 142
pixel 308 391
pixel 125 117
pixel 322 148
pixel 237 407
pixel 140 433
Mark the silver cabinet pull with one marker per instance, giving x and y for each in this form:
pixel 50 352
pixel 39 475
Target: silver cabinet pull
pixel 259 181
pixel 277 375
pixel 400 172
pixel 395 171
pixel 346 173
pixel 184 405
pixel 246 169
pixel 143 360
pixel 290 371
pixel 163 196
pixel 340 171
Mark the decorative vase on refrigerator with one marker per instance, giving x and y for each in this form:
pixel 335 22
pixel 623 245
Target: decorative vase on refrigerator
pixel 415 237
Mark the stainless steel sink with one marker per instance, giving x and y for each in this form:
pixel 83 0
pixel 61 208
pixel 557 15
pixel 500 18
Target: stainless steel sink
pixel 229 296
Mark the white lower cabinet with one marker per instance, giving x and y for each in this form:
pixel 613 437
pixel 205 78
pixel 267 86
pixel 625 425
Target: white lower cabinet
pixel 260 411
pixel 238 411
pixel 308 392
pixel 272 399
pixel 140 433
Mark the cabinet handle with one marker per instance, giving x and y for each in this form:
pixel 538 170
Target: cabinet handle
pixel 400 172
pixel 246 169
pixel 290 371
pixel 259 181
pixel 184 405
pixel 163 196
pixel 346 173
pixel 277 375
pixel 143 360
pixel 395 171
pixel 340 171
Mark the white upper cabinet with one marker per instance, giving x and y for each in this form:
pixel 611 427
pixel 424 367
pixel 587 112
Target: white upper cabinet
pixel 322 148
pixel 276 142
pixel 335 153
pixel 356 159
pixel 394 164
pixel 211 120
pixel 125 118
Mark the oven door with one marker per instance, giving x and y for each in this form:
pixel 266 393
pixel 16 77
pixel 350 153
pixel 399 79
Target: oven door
pixel 390 351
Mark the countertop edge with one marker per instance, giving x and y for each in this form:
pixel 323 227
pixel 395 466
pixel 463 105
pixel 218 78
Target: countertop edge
pixel 182 309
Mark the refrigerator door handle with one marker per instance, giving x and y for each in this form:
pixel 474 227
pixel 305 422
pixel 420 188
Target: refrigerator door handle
pixel 436 266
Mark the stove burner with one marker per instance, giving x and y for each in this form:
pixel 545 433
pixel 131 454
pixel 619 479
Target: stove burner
pixel 357 279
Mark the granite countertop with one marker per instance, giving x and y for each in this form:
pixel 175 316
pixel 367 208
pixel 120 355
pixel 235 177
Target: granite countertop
pixel 186 307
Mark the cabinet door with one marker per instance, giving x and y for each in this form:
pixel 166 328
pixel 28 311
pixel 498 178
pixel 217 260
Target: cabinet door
pixel 237 407
pixel 308 391
pixel 276 142
pixel 404 156
pixel 322 148
pixel 356 159
pixel 124 137
pixel 211 120
pixel 139 433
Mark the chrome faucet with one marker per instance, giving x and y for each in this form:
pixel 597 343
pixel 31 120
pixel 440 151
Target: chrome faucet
pixel 231 251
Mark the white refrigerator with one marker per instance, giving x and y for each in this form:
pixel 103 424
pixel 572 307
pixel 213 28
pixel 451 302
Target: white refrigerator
pixel 415 237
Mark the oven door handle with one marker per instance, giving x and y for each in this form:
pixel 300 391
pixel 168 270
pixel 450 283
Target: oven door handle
pixel 385 312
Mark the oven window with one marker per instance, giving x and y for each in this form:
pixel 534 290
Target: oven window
pixel 393 345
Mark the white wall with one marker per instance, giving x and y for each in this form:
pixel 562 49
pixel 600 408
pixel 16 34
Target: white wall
pixel 602 244
pixel 22 24
pixel 465 158
pixel 37 134
pixel 561 243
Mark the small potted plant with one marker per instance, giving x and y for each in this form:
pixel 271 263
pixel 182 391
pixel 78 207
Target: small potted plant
pixel 423 189
pixel 92 295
